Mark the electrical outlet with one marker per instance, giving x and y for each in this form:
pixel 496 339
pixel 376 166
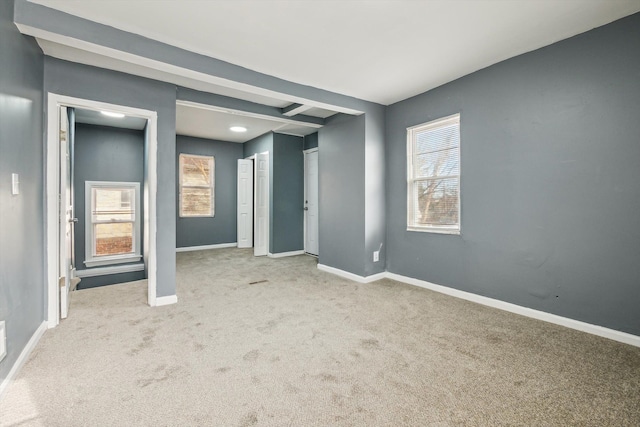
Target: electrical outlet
pixel 3 340
pixel 376 256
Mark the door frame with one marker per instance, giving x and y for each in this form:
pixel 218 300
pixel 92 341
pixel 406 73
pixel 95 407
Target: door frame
pixel 304 222
pixel 65 209
pixel 52 177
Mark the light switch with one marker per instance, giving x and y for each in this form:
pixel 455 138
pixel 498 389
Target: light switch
pixel 15 184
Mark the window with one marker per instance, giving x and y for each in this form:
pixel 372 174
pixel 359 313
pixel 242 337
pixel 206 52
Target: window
pixel 112 232
pixel 433 176
pixel 196 185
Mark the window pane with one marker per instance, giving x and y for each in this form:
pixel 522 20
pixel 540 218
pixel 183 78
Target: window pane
pixel 196 171
pixel 437 202
pixel 114 238
pixel 437 139
pixel 125 199
pixel 113 204
pixel 439 163
pixel 196 202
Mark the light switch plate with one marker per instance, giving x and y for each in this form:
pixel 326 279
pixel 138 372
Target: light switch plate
pixel 15 184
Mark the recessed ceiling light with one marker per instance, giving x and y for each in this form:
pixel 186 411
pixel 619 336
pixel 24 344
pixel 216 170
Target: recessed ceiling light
pixel 238 129
pixel 111 114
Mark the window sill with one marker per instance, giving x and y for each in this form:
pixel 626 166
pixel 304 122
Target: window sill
pixel 114 269
pixel 455 232
pixel 120 259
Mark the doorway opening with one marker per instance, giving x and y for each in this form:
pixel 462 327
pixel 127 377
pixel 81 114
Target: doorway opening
pixel 62 274
pixel 311 245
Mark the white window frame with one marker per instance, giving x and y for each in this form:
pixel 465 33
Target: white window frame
pixel 92 260
pixel 412 225
pixel 212 164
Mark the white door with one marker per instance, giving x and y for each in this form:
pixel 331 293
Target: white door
pixel 261 244
pixel 311 202
pixel 66 214
pixel 245 203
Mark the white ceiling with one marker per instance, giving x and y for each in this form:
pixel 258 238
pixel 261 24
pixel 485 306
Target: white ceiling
pixel 203 122
pixel 92 117
pixel 381 51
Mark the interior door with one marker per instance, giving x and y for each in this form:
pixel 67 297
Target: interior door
pixel 311 202
pixel 261 244
pixel 66 214
pixel 245 203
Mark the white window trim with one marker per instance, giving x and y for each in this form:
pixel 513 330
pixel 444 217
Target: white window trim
pixel 211 185
pixel 95 261
pixel 411 132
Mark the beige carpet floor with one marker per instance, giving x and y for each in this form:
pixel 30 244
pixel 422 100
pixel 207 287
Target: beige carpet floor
pixel 275 342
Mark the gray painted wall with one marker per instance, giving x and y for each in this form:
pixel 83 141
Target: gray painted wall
pixel 81 81
pixel 288 194
pixel 375 191
pixel 21 222
pixel 222 228
pixel 550 173
pixel 311 141
pixel 104 153
pixel 341 160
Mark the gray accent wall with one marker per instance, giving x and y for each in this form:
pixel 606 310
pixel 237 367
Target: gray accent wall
pixel 86 82
pixel 375 194
pixel 550 163
pixel 352 193
pixel 104 153
pixel 222 228
pixel 288 194
pixel 341 193
pixel 22 297
pixel 311 141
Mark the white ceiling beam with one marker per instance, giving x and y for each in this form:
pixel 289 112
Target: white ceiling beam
pixel 295 109
pixel 248 114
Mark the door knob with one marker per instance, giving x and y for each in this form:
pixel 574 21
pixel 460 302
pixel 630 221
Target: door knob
pixel 73 219
pixel 306 208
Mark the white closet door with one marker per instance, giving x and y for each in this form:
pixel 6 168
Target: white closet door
pixel 261 244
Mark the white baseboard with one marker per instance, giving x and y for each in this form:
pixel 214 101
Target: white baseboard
pixel 113 269
pixel 168 300
pixel 351 276
pixel 578 325
pixel 284 254
pixel 24 355
pixel 524 311
pixel 206 247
